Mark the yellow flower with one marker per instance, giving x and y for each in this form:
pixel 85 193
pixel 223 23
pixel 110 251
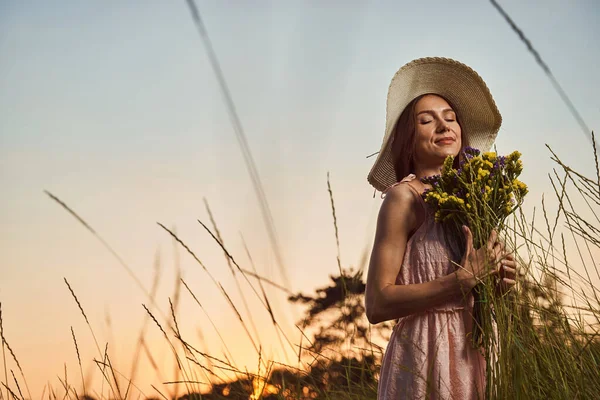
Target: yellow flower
pixel 518 167
pixel 458 200
pixel 514 156
pixel 490 156
pixel 518 185
pixel 476 162
pixel 447 167
pixel 520 188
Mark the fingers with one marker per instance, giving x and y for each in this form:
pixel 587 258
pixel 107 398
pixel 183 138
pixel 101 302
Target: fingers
pixel 507 284
pixel 469 238
pixel 508 269
pixel 498 252
pixel 504 285
pixel 508 275
pixel 499 244
pixel 509 263
pixel 488 273
pixel 492 240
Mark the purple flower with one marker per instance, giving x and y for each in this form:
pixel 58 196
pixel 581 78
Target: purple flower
pixel 500 162
pixel 470 152
pixel 431 179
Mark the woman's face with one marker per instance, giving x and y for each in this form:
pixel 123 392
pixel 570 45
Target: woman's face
pixel 437 132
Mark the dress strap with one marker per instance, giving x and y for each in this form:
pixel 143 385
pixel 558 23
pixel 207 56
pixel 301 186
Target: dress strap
pixel 408 179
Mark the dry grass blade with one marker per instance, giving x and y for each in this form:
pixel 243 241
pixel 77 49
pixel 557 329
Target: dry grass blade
pixel 106 364
pixel 112 372
pixel 65 386
pixel 156 321
pixel 266 280
pixel 9 391
pixel 190 252
pixel 140 340
pixel 234 263
pixel 596 162
pixel 43 391
pixel 174 304
pixel 209 318
pixel 337 238
pixel 17 384
pixel 102 365
pixel 545 68
pixel 175 324
pixel 150 358
pixel 12 353
pixel 210 275
pixel 178 382
pixel 241 136
pixel 239 316
pixel 3 351
pixel 214 280
pixel 79 360
pixel 179 363
pixel 84 315
pixel 212 358
pixel 278 329
pixel 159 392
pixel 107 246
pixel 206 371
pixel 232 270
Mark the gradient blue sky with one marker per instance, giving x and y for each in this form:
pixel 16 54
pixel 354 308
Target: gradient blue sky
pixel 113 107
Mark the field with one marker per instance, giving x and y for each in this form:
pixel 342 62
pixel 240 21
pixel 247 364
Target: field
pixel 549 348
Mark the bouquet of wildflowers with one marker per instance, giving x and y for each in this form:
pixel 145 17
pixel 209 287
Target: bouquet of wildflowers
pixel 480 193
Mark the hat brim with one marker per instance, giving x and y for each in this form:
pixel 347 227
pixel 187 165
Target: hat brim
pixel 456 82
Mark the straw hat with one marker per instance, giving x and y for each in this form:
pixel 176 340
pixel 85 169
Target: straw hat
pixel 456 82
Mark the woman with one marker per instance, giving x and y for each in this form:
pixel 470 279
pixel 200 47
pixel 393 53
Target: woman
pixel 435 107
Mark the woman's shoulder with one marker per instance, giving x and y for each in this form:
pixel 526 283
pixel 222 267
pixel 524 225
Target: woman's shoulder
pixel 403 202
pixel 400 193
pixel 408 189
pixel 404 197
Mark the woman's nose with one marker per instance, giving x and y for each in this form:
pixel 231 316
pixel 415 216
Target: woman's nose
pixel 443 126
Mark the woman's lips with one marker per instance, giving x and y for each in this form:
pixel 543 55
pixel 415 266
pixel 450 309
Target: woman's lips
pixel 445 141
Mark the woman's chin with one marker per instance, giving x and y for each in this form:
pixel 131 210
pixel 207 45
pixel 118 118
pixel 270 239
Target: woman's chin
pixel 449 152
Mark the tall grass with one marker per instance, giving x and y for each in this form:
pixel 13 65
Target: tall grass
pixel 545 348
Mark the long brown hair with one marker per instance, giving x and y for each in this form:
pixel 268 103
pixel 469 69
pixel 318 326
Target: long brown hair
pixel 403 142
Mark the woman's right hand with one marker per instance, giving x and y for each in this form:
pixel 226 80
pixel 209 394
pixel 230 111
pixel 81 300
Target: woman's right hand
pixel 479 264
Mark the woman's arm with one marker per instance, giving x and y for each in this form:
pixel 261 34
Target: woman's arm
pixel 384 300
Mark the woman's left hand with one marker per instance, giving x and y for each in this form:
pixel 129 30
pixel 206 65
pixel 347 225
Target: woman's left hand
pixel 507 273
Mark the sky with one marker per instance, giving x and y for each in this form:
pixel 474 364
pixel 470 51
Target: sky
pixel 114 108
